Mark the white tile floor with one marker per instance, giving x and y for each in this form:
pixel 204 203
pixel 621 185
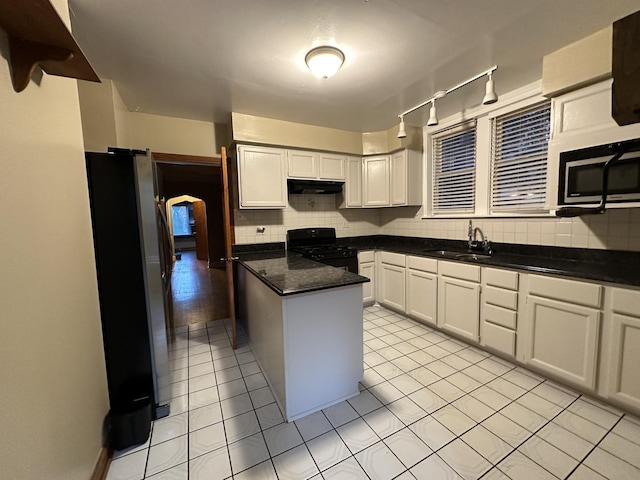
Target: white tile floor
pixel 430 407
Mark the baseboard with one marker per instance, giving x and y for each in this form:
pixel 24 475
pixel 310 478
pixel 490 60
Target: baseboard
pixel 102 465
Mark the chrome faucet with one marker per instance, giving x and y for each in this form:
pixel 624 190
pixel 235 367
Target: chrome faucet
pixel 473 243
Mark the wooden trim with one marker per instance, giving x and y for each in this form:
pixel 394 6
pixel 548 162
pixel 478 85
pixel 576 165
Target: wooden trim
pixel 178 159
pixel 228 242
pixel 102 465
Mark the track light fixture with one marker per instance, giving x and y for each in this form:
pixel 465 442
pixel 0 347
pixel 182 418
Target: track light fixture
pixel 489 98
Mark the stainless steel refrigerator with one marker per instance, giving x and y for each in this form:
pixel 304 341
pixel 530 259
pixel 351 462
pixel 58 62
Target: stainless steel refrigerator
pixel 132 283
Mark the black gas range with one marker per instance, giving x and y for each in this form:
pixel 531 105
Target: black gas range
pixel 320 244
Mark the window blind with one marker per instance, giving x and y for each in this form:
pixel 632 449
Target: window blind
pixel 454 171
pixel 519 159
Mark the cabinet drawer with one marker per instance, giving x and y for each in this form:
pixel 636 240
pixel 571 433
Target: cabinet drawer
pixel 501 278
pixel 581 293
pixel 368 256
pixel 500 297
pixel 626 301
pixel 499 316
pixel 499 338
pixel 423 264
pixel 460 270
pixel 397 259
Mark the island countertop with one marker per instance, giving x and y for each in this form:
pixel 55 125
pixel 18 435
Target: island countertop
pixel 287 273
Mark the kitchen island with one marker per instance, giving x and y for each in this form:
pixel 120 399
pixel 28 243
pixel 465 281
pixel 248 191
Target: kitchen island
pixel 304 323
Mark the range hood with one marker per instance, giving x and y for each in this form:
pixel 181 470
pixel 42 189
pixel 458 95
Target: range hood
pixel 313 186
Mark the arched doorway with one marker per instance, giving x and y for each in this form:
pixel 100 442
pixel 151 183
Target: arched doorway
pixel 187 221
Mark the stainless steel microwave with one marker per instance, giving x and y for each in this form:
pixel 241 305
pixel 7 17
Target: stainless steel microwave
pixel 580 175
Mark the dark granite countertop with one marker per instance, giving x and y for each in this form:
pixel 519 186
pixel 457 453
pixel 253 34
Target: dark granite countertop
pixel 288 273
pixel 612 266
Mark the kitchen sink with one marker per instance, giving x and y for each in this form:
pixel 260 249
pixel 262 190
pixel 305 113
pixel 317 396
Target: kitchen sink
pixel 473 256
pixel 443 253
pixel 457 255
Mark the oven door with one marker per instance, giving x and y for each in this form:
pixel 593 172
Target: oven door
pixel 582 180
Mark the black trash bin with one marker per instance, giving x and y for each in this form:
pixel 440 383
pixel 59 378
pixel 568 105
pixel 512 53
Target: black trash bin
pixel 129 423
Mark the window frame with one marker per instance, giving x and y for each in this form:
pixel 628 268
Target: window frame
pixel 515 113
pixel 482 115
pixel 445 134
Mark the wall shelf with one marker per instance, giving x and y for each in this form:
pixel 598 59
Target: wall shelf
pixel 38 37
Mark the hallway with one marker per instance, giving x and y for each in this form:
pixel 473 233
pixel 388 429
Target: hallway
pixel 199 292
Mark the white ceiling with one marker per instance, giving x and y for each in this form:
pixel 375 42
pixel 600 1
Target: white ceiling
pixel 203 59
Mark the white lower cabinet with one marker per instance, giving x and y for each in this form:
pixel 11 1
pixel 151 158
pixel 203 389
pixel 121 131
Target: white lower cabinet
pixel 391 281
pixel 499 310
pixel 459 299
pixel 366 268
pixel 422 289
pixel 562 329
pixel 622 349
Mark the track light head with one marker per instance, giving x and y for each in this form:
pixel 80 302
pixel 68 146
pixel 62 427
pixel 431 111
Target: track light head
pixel 433 117
pixel 490 92
pixel 401 131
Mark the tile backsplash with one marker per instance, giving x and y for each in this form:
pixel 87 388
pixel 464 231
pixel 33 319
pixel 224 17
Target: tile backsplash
pixel 617 229
pixel 304 211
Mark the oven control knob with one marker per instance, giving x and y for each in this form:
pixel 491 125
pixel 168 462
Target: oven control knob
pixel 345 254
pixel 318 258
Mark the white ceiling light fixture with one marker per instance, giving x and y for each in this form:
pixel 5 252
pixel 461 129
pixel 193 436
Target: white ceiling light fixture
pixel 324 61
pixel 489 98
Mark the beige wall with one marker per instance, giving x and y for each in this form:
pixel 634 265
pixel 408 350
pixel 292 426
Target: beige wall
pixel 268 131
pixel 54 394
pixel 172 135
pixel 582 63
pixel 386 141
pixel 121 113
pixel 107 122
pixel 98 117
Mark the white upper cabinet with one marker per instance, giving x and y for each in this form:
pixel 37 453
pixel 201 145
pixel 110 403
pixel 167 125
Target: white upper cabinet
pixel 302 164
pixel 332 166
pixel 315 165
pixel 406 178
pixel 375 180
pixel 262 177
pixel 393 180
pixel 353 183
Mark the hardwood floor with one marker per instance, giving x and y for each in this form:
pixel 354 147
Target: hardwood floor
pixel 199 292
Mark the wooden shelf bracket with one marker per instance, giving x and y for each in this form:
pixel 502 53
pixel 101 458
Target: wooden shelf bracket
pixel 38 37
